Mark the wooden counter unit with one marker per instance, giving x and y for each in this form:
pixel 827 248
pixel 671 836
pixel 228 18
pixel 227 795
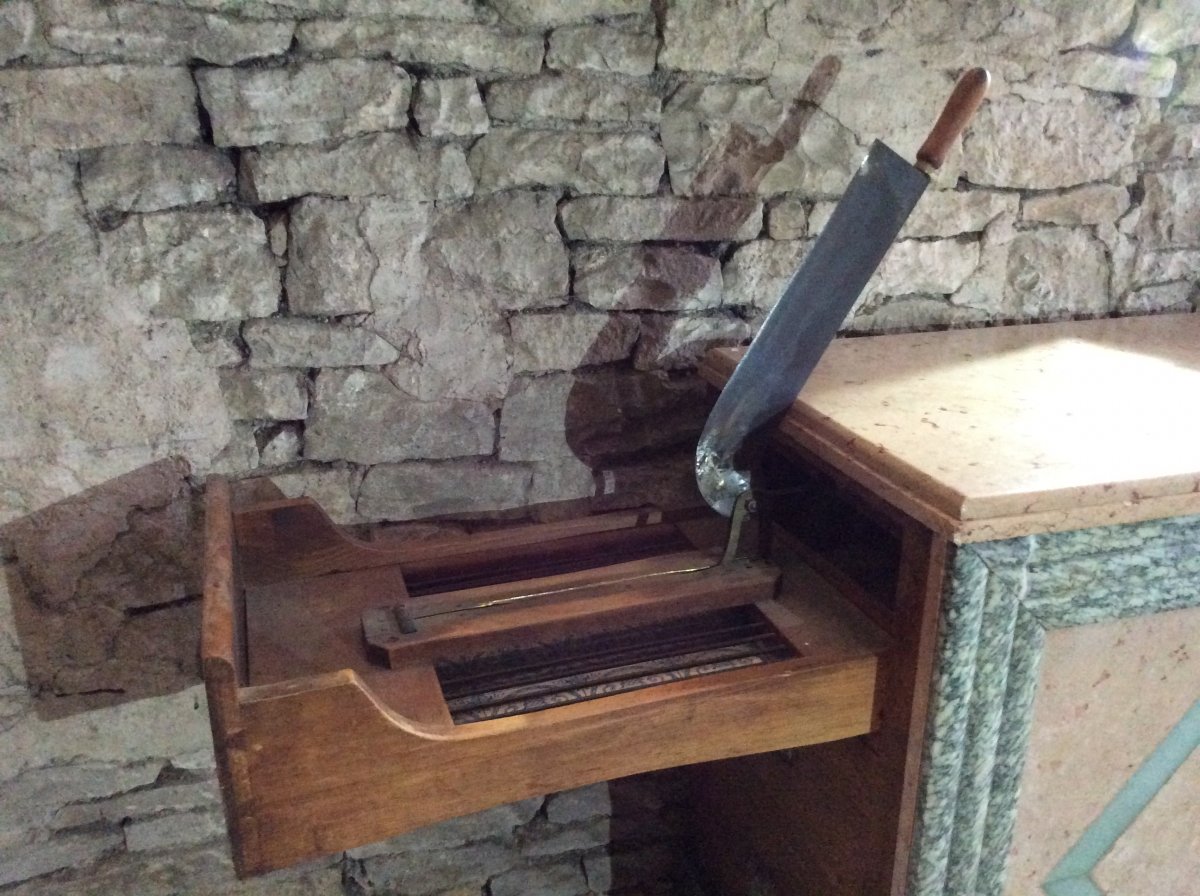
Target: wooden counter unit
pixel 991 433
pixel 969 490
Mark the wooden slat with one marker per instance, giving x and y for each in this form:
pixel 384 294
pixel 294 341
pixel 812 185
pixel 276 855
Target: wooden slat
pixel 346 797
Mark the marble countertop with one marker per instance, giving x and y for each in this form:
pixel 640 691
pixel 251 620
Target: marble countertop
pixel 1005 431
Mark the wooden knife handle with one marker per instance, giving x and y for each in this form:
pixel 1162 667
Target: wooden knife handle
pixel 968 94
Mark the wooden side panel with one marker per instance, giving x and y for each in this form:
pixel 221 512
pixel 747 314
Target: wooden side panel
pixel 836 817
pixel 330 770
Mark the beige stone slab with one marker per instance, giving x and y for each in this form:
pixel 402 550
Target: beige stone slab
pixel 1107 696
pixel 990 433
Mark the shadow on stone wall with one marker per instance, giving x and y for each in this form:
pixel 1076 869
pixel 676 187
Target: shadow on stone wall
pixel 105 589
pixel 641 426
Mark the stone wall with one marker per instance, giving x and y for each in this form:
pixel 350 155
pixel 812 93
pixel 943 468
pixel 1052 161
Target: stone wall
pixel 456 258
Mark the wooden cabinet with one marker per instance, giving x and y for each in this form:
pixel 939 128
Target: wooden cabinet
pixel 966 490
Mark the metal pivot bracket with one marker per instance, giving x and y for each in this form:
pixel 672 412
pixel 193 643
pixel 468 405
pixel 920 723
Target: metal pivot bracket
pixel 744 506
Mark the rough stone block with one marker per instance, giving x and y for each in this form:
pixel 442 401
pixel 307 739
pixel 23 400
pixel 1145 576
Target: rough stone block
pixel 573 97
pixel 295 342
pixel 18 26
pixel 669 342
pixel 717 37
pixel 646 865
pixel 1169 142
pixel 1081 207
pixel 616 219
pixel 627 164
pixel 757 273
pixel 196 265
pixel 401 427
pixel 714 136
pixel 175 830
pixel 1166 266
pixel 137 32
pixel 264 394
pixel 787 219
pixel 1165 27
pixel 334 488
pixel 217 343
pixel 33 799
pixel 419 490
pixel 559 879
pixel 498 823
pixel 650 278
pixel 370 165
pixel 38 195
pixel 467 45
pixel 667 482
pixel 599 417
pixel 568 838
pixel 426 873
pixel 1021 144
pixel 561 479
pixel 1170 212
pixel 140 804
pixel 268 9
pixel 946 213
pixel 1056 272
pixel 449 107
pixel 330 264
pixel 566 340
pixel 152 178
pixel 580 804
pixel 103 105
pixel 603 48
pixel 1151 76
pixel 541 13
pixel 305 102
pixel 73 851
pixel 499 253
pixel 1165 297
pixel 281 445
pixel 912 314
pixel 937 267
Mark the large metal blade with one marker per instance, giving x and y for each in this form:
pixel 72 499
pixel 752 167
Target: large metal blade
pixel 800 327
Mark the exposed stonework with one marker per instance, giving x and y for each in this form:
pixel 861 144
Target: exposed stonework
pixel 371 165
pixel 1056 272
pixel 651 278
pixel 758 272
pixel 286 342
pixel 495 254
pixel 449 107
pixel 1152 76
pixel 304 103
pixel 573 97
pixel 680 342
pixel 330 266
pixel 566 340
pixel 481 47
pixel 437 305
pixel 1082 139
pixel 625 164
pixel 702 122
pixel 360 416
pixel 712 36
pixel 420 490
pixel 599 417
pixel 630 220
pixel 541 13
pixel 603 48
pixel 105 105
pixel 136 32
pixel 195 265
pixel 1170 213
pixel 264 394
pixel 153 178
pixel 1083 206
